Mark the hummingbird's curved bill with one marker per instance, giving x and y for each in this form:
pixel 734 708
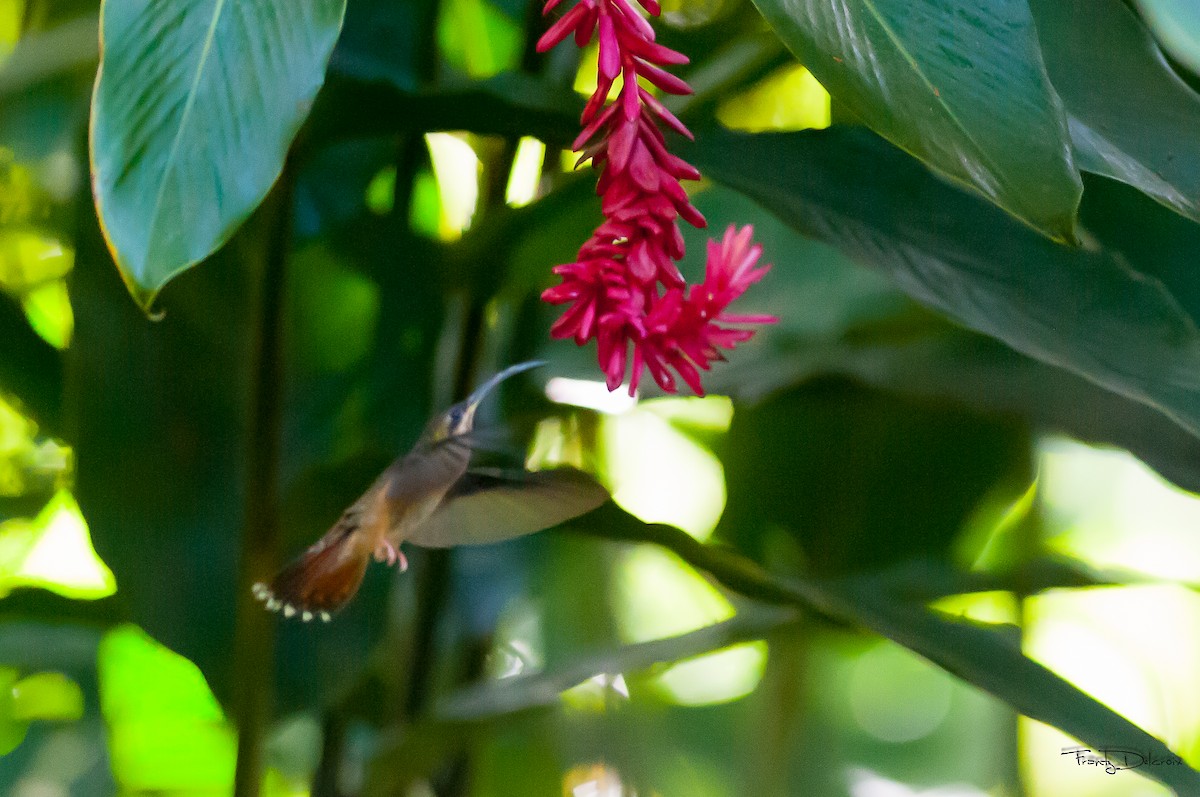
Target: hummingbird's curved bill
pixel 432 498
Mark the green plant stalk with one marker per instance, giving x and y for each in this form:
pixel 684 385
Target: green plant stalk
pixel 254 642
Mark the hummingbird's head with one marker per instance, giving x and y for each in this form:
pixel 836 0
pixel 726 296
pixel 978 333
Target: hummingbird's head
pixel 460 419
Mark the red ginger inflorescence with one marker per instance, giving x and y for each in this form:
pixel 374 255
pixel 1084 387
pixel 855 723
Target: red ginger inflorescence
pixel 624 287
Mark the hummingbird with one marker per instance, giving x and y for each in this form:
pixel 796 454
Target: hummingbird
pixel 433 498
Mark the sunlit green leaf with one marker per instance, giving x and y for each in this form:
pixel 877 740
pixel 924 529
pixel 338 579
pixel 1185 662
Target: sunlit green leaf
pixel 166 730
pixel 789 99
pixel 49 310
pixel 47 696
pixel 660 473
pixel 54 552
pixel 659 596
pixel 958 83
pixel 194 110
pixel 1131 117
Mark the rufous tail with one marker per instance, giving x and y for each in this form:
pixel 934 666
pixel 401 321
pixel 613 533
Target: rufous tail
pixel 318 582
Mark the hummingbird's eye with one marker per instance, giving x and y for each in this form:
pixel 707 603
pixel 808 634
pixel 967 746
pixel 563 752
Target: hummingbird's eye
pixel 454 420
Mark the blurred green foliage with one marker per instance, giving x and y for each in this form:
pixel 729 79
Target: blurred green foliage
pixel 868 562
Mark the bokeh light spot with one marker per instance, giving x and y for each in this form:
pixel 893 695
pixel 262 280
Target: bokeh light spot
pixel 896 696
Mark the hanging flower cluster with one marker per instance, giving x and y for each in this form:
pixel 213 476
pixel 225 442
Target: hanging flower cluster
pixel 624 287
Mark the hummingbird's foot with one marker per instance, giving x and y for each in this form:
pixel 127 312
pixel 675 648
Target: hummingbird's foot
pixel 386 552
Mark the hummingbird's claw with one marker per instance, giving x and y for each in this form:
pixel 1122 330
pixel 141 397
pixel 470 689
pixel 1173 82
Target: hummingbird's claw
pixel 386 552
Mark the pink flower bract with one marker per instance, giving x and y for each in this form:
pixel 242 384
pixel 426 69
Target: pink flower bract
pixel 624 288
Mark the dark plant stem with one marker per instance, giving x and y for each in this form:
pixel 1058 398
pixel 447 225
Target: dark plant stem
pixel 255 641
pixel 333 739
pixel 411 150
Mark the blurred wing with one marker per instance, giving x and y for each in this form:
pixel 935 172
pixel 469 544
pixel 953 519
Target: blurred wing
pixel 488 506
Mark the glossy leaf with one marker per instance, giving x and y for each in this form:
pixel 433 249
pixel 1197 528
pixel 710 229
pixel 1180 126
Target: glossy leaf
pixel 988 657
pixel 958 83
pixel 193 113
pixel 1131 117
pixel 1085 311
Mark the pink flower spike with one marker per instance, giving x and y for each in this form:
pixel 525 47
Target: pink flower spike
pixel 624 289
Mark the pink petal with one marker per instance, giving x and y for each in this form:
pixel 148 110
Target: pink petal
pixel 641 265
pixel 615 367
pixel 635 375
pixel 642 168
pixel 666 116
pixel 586 134
pixel 629 93
pixel 632 19
pixel 676 247
pixel 679 168
pixel 689 374
pixel 597 100
pixel 560 29
pixel 621 145
pixel 656 53
pixel 663 79
pixel 583 32
pixel 610 49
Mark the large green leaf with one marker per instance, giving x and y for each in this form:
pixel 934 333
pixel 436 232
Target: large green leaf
pixel 194 109
pixel 1131 117
pixel 838 318
pixel 988 657
pixel 1085 311
pixel 958 83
